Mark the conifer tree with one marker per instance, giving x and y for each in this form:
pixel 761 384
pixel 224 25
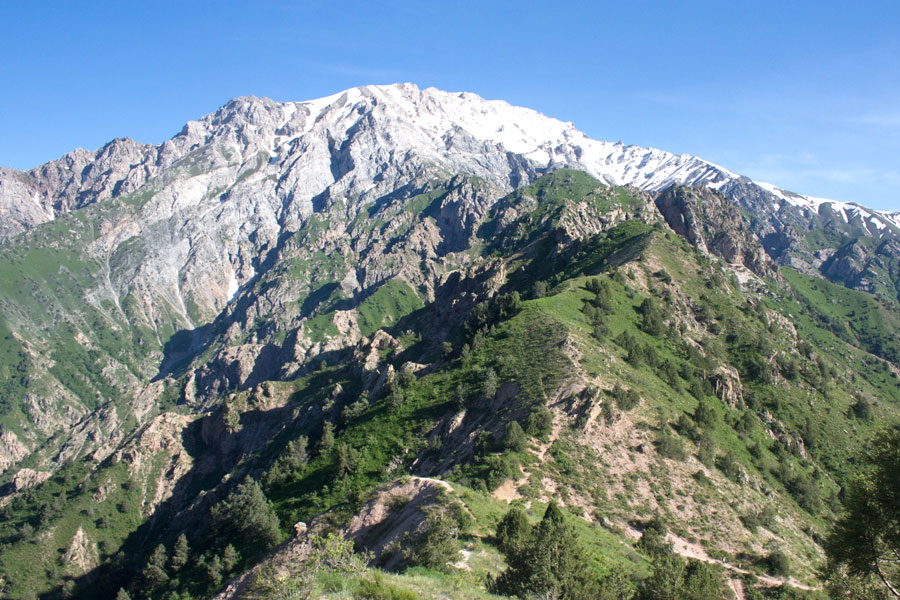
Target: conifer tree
pixel 229 559
pixel 489 385
pixel 214 571
pixel 437 544
pixel 346 460
pixel 154 572
pixel 326 442
pixel 513 531
pixel 247 515
pixel 180 554
pixel 549 564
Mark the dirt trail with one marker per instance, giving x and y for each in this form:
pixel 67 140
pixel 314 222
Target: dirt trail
pixel 696 551
pixel 508 490
pixel 737 586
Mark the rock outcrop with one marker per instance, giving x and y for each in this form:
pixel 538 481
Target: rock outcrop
pixel 713 224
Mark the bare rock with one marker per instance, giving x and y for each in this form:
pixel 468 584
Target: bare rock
pixel 81 556
pixel 28 478
pixel 11 449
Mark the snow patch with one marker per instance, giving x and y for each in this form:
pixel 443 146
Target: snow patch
pixel 233 286
pixel 891 217
pixel 872 219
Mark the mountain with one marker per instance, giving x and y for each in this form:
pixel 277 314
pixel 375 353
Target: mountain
pixel 410 272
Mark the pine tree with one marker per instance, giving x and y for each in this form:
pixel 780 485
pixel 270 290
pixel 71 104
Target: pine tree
pixel 247 515
pixel 666 580
pixel 459 397
pixel 181 554
pixel 214 571
pixel 154 572
pixel 437 544
pixel 122 595
pixel 489 385
pixel 229 559
pixel 513 531
pixel 549 564
pixel 326 442
pixel 346 460
pixel 298 456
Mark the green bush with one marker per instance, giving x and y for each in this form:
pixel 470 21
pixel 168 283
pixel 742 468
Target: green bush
pixel 778 564
pixel 437 542
pixel 625 399
pixel 378 589
pixel 730 468
pixel 669 446
pixel 540 422
pixel 514 437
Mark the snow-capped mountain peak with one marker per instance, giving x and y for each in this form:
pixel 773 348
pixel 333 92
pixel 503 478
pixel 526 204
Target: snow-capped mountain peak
pixel 362 141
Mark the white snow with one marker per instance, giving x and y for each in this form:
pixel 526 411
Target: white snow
pixel 892 217
pixel 441 126
pixel 523 131
pixel 779 193
pixel 233 286
pixel 872 219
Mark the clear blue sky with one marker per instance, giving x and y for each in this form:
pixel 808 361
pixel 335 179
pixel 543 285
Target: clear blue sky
pixel 805 95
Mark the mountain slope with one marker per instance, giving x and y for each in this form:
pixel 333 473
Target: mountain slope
pixel 379 260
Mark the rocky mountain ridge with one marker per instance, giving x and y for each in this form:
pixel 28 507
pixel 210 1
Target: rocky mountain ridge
pixel 431 122
pixel 206 221
pixel 181 313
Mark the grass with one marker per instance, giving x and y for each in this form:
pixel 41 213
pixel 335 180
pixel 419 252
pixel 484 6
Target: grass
pixel 387 305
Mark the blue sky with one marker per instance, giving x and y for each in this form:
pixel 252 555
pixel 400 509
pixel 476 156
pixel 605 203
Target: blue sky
pixel 805 95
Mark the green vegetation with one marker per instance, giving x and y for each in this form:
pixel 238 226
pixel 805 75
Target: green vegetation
pixel 621 372
pixel 864 545
pixel 548 562
pixel 386 306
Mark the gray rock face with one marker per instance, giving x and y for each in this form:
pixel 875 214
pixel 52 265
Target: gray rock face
pixel 715 225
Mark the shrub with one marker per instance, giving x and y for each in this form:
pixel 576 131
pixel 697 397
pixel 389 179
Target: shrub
pixel 437 541
pixel 778 564
pixel 729 467
pixel 669 446
pixel 653 538
pixel 540 422
pixel 805 491
pixel 514 437
pixel 862 409
pixel 625 399
pixel 378 589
